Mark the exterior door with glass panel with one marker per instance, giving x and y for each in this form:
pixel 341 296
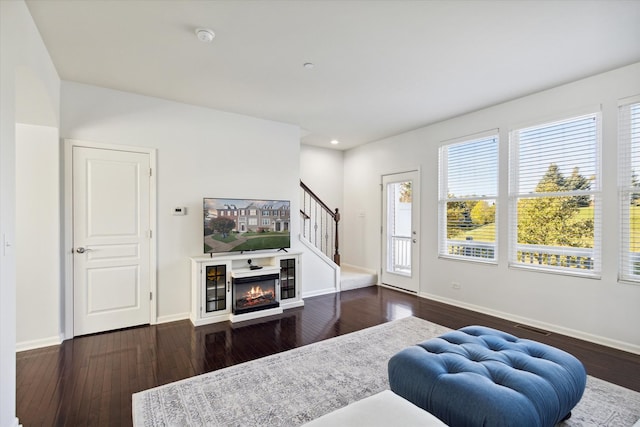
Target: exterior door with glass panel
pixel 401 230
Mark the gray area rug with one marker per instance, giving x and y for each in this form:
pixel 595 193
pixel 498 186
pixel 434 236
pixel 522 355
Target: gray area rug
pixel 296 386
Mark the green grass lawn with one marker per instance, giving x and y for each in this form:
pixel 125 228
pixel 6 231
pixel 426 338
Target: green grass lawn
pixel 230 237
pixel 585 213
pixel 486 233
pixel 269 241
pixel 635 228
pixel 635 224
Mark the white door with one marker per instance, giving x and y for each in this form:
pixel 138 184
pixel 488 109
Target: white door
pixel 111 239
pixel 401 230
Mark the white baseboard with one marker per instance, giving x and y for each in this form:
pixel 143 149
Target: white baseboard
pixel 39 343
pixel 324 291
pixel 172 318
pixel 596 339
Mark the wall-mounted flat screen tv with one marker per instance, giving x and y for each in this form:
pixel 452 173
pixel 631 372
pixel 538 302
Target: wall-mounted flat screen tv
pixel 238 225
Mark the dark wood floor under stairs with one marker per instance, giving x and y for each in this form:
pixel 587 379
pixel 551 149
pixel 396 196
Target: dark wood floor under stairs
pixel 89 380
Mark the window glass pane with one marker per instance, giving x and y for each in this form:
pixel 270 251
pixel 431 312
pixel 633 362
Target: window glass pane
pixel 471 229
pixel 473 168
pixel 558 157
pixel 555 169
pixel 399 226
pixel 472 220
pixel 555 221
pixel 629 169
pixel 634 234
pixel 468 190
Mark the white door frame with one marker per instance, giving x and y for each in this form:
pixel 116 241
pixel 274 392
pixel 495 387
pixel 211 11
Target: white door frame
pixel 414 278
pixel 68 226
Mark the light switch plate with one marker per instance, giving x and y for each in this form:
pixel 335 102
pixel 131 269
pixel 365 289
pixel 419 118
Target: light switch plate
pixel 180 210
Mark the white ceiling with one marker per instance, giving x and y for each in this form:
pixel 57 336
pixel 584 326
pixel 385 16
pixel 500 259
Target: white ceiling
pixel 381 67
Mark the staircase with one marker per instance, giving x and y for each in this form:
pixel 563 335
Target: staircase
pixel 319 225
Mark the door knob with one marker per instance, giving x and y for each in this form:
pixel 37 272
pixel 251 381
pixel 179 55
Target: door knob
pixel 83 250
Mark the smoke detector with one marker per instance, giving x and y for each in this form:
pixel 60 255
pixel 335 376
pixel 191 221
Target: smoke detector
pixel 205 35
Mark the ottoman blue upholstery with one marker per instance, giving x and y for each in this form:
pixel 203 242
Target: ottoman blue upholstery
pixel 478 376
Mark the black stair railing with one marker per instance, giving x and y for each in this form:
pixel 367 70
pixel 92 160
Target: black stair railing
pixel 319 224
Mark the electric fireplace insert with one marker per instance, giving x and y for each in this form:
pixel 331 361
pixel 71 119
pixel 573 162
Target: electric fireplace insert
pixel 255 293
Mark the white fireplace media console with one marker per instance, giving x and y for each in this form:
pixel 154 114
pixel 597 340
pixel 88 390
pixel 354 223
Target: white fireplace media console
pixel 225 287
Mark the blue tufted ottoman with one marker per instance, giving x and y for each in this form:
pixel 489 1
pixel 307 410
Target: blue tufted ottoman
pixel 478 376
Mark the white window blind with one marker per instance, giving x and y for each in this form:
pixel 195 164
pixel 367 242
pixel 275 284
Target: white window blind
pixel 629 184
pixel 467 200
pixel 555 198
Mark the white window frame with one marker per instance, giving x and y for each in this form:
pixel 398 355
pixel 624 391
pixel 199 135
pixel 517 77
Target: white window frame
pixel 628 153
pixel 477 251
pixel 553 252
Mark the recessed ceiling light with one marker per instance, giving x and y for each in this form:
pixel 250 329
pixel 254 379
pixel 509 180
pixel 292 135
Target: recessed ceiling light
pixel 308 65
pixel 335 142
pixel 205 35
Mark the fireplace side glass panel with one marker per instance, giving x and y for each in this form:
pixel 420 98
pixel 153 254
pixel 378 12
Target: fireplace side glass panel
pixel 287 278
pixel 216 286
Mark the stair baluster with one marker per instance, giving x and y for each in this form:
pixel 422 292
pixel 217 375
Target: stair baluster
pixel 320 224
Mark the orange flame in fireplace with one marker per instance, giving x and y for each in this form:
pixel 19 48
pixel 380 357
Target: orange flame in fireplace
pixel 256 292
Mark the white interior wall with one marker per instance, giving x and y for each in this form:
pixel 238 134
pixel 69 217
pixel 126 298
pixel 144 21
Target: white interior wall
pixel 24 59
pixel 601 310
pixel 37 236
pixel 322 170
pixel 319 277
pixel 201 153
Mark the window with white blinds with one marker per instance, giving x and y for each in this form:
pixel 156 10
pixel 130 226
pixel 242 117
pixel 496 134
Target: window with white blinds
pixel 467 200
pixel 629 183
pixel 555 196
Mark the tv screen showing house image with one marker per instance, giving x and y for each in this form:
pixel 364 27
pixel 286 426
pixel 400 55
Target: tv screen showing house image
pixel 234 225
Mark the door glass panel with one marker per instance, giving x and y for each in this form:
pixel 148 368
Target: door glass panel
pixel 399 206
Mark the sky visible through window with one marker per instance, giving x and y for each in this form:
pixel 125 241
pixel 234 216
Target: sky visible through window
pixel 473 165
pixel 473 168
pixel 568 144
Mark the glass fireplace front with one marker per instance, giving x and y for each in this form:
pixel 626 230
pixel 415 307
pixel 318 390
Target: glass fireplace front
pixel 254 293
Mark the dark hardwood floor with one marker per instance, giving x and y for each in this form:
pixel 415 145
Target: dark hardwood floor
pixel 89 380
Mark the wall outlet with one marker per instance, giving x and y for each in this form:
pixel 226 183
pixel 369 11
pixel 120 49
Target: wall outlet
pixel 455 285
